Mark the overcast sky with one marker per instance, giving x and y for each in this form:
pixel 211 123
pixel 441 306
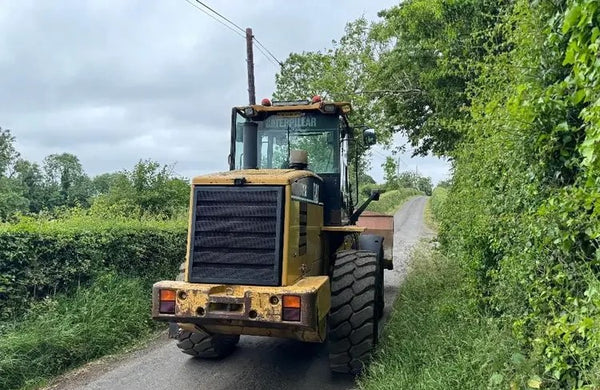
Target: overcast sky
pixel 115 81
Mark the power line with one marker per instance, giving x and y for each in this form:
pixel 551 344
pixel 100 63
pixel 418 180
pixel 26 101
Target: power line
pixel 268 51
pixel 266 56
pixel 221 16
pixel 235 28
pixel 193 4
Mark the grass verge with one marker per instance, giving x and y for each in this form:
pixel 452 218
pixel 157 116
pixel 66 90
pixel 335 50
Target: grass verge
pixel 390 201
pixel 64 332
pixel 437 339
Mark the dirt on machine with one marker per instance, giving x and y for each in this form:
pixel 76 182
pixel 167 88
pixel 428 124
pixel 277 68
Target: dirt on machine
pixel 277 245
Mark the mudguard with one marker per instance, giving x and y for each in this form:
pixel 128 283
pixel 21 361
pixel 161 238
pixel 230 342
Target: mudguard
pixel 374 243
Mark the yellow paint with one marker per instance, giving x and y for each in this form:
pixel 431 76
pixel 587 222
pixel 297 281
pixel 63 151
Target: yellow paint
pixel 314 248
pixel 191 296
pixel 301 272
pixel 254 176
pixel 344 229
pixel 292 265
pixel 189 235
pixel 286 234
pixel 310 263
pixel 344 106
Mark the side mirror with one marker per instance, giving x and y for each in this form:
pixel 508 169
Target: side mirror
pixel 369 137
pixel 375 194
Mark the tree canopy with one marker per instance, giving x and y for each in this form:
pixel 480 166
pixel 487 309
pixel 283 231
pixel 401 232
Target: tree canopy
pixel 62 183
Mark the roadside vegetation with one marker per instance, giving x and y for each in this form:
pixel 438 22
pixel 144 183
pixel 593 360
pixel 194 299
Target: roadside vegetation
pixel 434 206
pixel 509 92
pixel 438 337
pixel 77 288
pixel 396 189
pixel 66 330
pixel 78 257
pixel 390 201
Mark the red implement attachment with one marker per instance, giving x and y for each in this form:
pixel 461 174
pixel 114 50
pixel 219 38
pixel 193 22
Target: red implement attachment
pixel 381 225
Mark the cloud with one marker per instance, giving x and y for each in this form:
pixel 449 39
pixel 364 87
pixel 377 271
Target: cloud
pixel 116 81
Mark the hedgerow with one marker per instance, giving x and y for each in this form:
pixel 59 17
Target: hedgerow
pixel 64 331
pixel 523 211
pixel 40 258
pixel 390 201
pixel 438 199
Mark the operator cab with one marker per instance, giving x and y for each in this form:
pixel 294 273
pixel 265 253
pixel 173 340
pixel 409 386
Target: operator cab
pixel 265 137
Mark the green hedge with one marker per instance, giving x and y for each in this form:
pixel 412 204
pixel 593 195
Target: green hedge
pixel 63 332
pixel 438 198
pixel 523 212
pixel 41 258
pixel 389 201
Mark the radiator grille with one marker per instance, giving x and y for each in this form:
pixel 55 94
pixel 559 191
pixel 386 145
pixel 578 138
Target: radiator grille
pixel 237 235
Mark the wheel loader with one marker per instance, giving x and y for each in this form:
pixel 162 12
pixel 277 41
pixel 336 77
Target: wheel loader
pixel 276 246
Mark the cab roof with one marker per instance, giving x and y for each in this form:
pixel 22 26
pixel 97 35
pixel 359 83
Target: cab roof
pixel 340 107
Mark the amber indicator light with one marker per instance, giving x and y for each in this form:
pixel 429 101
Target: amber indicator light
pixel 292 301
pixel 167 295
pixel 290 310
pixel 167 302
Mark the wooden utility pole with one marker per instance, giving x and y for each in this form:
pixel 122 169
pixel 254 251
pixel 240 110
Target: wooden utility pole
pixel 250 61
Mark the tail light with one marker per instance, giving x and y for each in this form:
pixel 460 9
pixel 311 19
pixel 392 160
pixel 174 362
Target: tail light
pixel 167 302
pixel 291 308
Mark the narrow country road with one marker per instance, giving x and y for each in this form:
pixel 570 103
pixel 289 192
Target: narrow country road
pixel 258 363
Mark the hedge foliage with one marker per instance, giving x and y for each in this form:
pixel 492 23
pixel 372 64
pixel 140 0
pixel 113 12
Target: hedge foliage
pixel 39 258
pixel 524 209
pixel 389 201
pixel 438 200
pixel 63 332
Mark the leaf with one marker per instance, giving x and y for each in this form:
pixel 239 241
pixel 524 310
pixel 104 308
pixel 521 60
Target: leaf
pixel 571 18
pixel 535 382
pixel 517 358
pixel 570 53
pixel 496 379
pixel 578 96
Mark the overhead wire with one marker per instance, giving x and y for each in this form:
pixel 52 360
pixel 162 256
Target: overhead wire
pixel 266 56
pixel 234 28
pixel 221 16
pixel 268 51
pixel 193 4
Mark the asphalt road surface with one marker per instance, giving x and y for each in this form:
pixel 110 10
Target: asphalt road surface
pixel 258 363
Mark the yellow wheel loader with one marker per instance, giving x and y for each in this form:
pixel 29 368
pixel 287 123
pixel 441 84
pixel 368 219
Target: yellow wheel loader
pixel 275 244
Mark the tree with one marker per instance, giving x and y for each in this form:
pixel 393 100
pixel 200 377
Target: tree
pixel 148 188
pixel 341 73
pixel 433 49
pixel 11 198
pixel 32 181
pixel 103 183
pixel 364 179
pixel 8 153
pixel 424 184
pixel 390 169
pixel 66 182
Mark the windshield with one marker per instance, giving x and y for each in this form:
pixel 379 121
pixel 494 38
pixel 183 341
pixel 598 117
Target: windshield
pixel 317 134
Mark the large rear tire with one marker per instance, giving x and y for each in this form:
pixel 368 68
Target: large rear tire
pixel 202 344
pixel 353 319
